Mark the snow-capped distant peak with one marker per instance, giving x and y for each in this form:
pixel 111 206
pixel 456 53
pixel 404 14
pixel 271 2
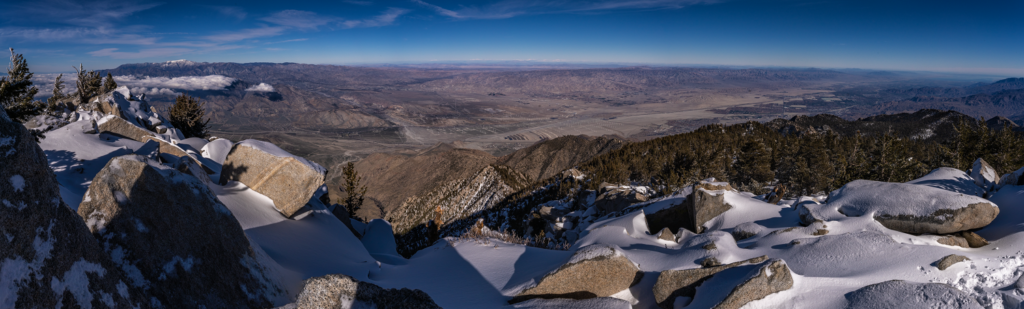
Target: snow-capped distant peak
pixel 179 62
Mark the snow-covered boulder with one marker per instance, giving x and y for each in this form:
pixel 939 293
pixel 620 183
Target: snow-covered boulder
pixel 950 179
pixel 593 271
pixel 47 256
pixel 289 180
pixel 984 175
pixel 172 237
pixel 911 208
pixel 705 201
pixel 904 294
pixel 379 241
pixel 1013 178
pixel 728 286
pixel 343 292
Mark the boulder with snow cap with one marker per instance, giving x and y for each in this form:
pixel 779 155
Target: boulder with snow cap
pixel 745 281
pixel 1013 178
pixel 172 237
pixel 706 200
pixel 911 208
pixel 121 127
pixel 904 294
pixel 613 198
pixel 48 259
pixel 984 175
pixel 338 291
pixel 290 181
pixel 593 271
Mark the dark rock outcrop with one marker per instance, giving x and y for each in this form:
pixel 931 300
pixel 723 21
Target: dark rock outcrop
pixel 593 271
pixel 758 277
pixel 612 198
pixel 288 180
pixel 903 294
pixel 342 292
pixel 705 202
pixel 47 256
pixel 172 237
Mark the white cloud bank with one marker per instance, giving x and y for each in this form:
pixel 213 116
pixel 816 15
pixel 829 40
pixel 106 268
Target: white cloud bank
pixel 209 82
pixel 262 87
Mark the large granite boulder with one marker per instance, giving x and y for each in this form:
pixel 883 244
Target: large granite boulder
pixel 910 295
pixel 751 280
pixel 984 175
pixel 343 292
pixel 593 271
pixel 290 181
pixel 48 259
pixel 168 232
pixel 912 208
pixel 705 201
pixel 120 127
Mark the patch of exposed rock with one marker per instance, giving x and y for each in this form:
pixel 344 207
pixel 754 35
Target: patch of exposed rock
pixel 705 201
pixel 954 240
pixel 172 237
pixel 904 294
pixel 593 271
pixel 949 260
pixel 342 292
pixel 752 280
pixel 612 198
pixel 914 209
pixel 984 175
pixel 47 256
pixel 290 181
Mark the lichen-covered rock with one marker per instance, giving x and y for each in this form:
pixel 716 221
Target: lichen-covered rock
pixel 949 260
pixel 705 201
pixel 593 271
pixel 48 259
pixel 912 208
pixel 903 294
pixel 984 175
pixel 288 180
pixel 343 292
pixel 172 237
pixel 757 278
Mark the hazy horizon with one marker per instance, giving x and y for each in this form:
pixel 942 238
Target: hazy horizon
pixel 934 36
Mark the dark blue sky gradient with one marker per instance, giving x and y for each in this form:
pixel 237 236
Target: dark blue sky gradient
pixel 950 36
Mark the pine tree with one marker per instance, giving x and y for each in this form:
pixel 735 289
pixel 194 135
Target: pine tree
pixel 88 83
pixel 109 84
pixel 187 116
pixel 16 91
pixel 354 191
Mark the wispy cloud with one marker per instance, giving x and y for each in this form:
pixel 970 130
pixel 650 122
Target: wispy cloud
pixel 513 8
pixel 94 13
pixel 288 41
pixel 245 34
pixel 299 19
pixel 101 35
pixel 143 53
pixel 231 11
pixel 209 82
pixel 384 19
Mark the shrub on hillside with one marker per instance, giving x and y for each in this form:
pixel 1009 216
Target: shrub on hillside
pixel 187 116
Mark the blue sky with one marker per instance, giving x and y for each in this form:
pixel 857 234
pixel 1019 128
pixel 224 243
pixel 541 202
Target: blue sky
pixel 950 36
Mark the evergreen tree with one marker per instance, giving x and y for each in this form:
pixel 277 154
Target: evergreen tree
pixel 88 84
pixel 109 84
pixel 16 91
pixel 354 191
pixel 187 116
pixel 58 91
pixel 754 163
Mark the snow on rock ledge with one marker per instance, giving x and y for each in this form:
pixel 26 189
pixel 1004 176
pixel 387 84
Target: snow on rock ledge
pixel 593 271
pixel 172 236
pixel 984 175
pixel 912 208
pixel 341 291
pixel 903 294
pixel 727 286
pixel 289 180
